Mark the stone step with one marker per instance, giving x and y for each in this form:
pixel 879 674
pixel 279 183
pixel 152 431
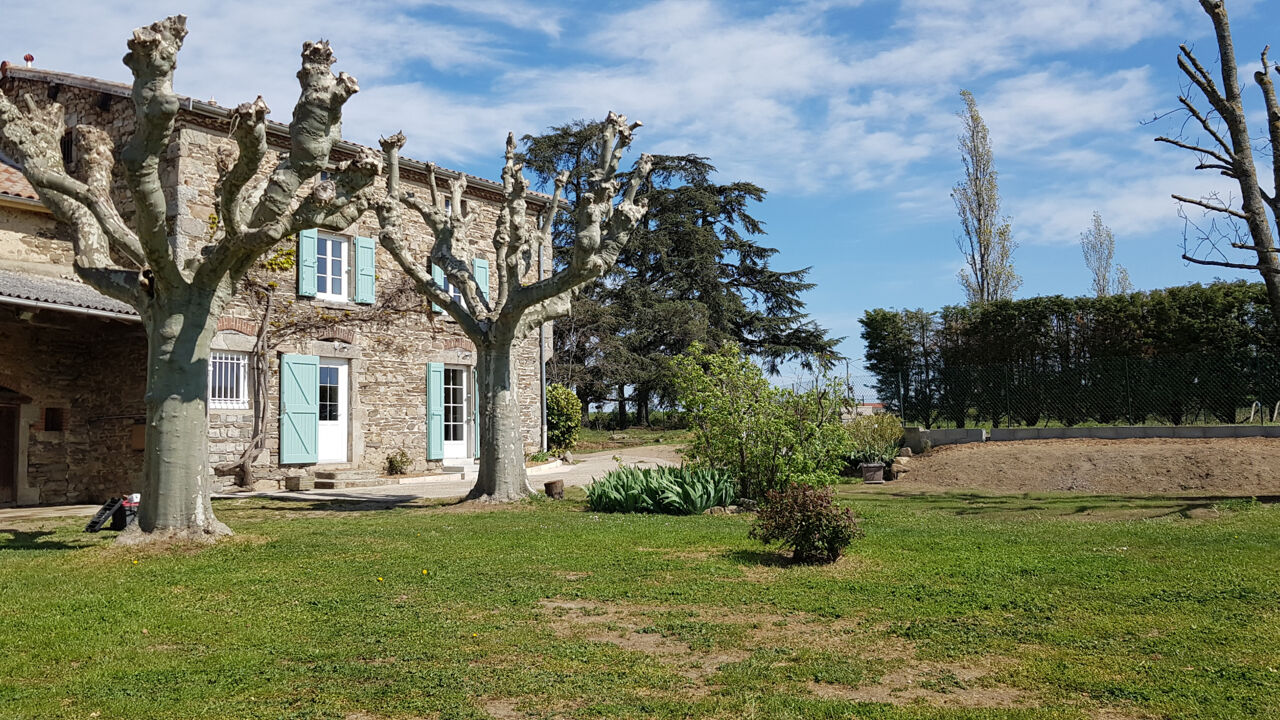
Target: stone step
pixel 353 482
pixel 344 474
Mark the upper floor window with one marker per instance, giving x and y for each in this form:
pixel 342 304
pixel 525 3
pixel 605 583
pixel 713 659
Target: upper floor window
pixel 228 380
pixel 331 268
pixel 448 286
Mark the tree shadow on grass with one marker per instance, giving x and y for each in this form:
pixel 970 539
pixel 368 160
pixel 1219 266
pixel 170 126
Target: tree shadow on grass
pixel 766 558
pixel 1049 505
pixel 11 539
pixel 338 502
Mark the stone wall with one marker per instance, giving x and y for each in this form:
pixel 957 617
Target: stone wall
pixel 387 350
pixel 90 371
pixel 387 355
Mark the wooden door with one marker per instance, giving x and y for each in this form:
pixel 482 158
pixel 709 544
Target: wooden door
pixel 8 454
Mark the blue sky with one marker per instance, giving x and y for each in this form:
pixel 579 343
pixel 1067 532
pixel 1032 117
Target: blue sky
pixel 844 111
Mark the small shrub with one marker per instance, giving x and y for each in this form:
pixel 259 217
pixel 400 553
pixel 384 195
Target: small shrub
pixel 808 521
pixel 874 438
pixel 564 417
pixel 398 463
pixel 540 457
pixel 671 491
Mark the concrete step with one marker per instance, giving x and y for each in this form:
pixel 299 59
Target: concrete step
pixel 344 474
pixel 361 482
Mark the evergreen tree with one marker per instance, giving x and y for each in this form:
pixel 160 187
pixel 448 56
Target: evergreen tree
pixel 693 272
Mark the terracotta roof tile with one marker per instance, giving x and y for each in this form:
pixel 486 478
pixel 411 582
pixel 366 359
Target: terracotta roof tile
pixel 13 184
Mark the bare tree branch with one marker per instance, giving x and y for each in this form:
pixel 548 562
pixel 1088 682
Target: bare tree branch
pixel 1237 266
pixel 1209 206
pixel 249 129
pixel 1226 162
pixel 152 56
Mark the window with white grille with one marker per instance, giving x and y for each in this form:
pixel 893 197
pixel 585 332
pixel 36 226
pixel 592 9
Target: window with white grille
pixel 228 380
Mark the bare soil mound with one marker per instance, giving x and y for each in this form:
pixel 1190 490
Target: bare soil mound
pixel 1157 466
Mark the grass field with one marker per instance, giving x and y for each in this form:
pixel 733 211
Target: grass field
pixel 955 606
pixel 590 440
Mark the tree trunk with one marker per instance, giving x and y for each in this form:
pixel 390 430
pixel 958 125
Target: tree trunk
pixel 642 406
pixel 176 482
pixel 622 407
pixel 502 475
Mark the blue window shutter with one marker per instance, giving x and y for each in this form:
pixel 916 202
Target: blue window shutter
pixel 481 267
pixel 307 262
pixel 299 409
pixel 365 270
pixel 475 406
pixel 437 274
pixel 435 411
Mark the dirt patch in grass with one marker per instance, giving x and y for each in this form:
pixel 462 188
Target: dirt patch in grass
pixel 1154 466
pixel 967 685
pixel 905 681
pixel 630 628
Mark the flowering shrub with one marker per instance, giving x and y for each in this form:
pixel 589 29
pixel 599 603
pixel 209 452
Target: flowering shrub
pixel 807 520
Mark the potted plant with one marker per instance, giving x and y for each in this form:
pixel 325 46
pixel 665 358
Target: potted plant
pixel 874 442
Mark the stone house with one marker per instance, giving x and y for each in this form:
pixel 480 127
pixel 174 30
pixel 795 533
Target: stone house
pixel 359 367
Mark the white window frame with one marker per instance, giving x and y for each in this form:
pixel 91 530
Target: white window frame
pixel 324 267
pixel 237 363
pixel 450 289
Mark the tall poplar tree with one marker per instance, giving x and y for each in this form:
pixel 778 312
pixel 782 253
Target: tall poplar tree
pixel 1098 244
pixel 987 243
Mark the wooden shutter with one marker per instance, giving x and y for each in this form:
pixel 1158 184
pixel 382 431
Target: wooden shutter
pixel 299 409
pixel 475 408
pixel 437 274
pixel 481 268
pixel 307 262
pixel 365 271
pixel 435 411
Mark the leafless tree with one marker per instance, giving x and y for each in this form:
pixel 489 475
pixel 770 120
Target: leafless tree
pixel 180 289
pixel 1231 155
pixel 987 243
pixel 1098 244
pixel 516 308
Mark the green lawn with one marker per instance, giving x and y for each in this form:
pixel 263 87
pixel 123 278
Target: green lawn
pixel 590 440
pixel 956 606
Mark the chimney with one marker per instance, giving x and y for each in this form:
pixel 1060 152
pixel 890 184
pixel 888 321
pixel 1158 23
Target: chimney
pixel 29 58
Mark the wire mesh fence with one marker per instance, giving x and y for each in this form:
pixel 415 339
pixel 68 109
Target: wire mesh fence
pixel 1201 388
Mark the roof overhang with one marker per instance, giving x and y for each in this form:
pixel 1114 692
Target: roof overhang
pixel 73 309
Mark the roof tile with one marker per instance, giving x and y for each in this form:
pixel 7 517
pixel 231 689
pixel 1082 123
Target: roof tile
pixel 57 291
pixel 13 184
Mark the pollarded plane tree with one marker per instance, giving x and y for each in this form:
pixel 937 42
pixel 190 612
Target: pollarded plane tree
pixel 604 219
pixel 180 289
pixel 1232 155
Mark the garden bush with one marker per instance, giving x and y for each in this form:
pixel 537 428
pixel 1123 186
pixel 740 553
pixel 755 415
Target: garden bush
pixel 671 491
pixel 807 520
pixel 766 436
pixel 564 417
pixel 398 462
pixel 874 438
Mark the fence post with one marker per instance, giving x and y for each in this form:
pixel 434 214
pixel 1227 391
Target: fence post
pixel 1128 394
pixel 1008 409
pixel 902 399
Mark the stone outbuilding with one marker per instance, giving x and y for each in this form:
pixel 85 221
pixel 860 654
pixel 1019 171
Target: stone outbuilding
pixel 357 367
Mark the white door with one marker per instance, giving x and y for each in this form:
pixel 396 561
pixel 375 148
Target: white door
pixel 333 411
pixel 457 395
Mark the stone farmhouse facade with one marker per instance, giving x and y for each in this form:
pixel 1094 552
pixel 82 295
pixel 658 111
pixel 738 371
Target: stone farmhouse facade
pixel 359 367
